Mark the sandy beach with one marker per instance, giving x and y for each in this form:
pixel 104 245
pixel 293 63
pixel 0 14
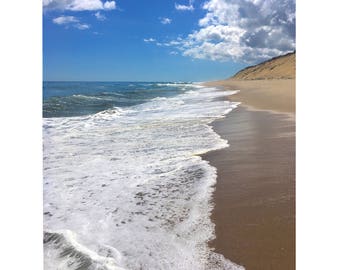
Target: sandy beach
pixel 276 95
pixel 254 199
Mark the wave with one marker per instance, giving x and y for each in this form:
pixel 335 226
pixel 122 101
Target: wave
pixel 134 180
pixel 112 97
pixel 76 105
pixel 62 251
pixel 89 97
pixel 63 99
pixel 181 85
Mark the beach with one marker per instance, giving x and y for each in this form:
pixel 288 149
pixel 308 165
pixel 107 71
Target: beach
pixel 149 164
pixel 276 95
pixel 254 198
pixel 168 210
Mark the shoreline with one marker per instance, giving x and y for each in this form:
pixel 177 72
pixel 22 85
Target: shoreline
pixel 254 197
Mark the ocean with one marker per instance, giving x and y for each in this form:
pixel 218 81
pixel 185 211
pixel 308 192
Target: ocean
pixel 124 184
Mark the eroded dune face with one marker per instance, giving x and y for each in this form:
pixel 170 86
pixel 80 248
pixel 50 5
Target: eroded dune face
pixel 282 67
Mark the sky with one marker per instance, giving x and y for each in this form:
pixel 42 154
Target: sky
pixel 167 40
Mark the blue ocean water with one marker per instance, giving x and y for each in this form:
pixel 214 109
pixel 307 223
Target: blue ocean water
pixel 62 99
pixel 124 184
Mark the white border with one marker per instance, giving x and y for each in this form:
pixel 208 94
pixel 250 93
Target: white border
pixel 21 147
pixel 318 136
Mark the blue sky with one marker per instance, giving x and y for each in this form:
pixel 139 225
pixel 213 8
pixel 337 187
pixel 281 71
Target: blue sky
pixel 151 40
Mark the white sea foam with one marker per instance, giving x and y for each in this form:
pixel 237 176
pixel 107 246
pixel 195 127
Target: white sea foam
pixel 183 86
pixel 88 97
pixel 132 183
pixel 72 255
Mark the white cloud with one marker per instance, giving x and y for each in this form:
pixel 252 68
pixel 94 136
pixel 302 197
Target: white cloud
pixel 148 40
pixel 47 2
pixel 241 30
pixel 78 5
pixel 100 16
pixel 189 7
pixel 110 5
pixel 65 20
pixel 172 43
pixel 165 20
pixel 71 21
pixel 82 26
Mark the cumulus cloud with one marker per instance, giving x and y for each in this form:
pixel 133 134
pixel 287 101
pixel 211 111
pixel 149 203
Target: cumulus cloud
pixel 78 5
pixel 242 30
pixel 189 7
pixel 110 5
pixel 100 16
pixel 70 21
pixel 165 20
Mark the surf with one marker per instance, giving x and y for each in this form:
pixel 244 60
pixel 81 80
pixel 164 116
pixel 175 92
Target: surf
pixel 134 180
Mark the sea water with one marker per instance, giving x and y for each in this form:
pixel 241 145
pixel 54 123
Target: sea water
pixel 124 184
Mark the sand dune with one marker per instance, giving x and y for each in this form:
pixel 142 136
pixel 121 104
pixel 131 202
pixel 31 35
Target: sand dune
pixel 266 86
pixel 281 67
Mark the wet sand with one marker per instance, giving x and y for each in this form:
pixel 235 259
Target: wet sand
pixel 254 199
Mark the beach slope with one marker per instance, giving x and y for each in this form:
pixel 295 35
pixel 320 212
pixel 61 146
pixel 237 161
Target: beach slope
pixel 254 199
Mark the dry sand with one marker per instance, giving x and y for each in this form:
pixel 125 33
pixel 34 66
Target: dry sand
pixel 277 95
pixel 255 192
